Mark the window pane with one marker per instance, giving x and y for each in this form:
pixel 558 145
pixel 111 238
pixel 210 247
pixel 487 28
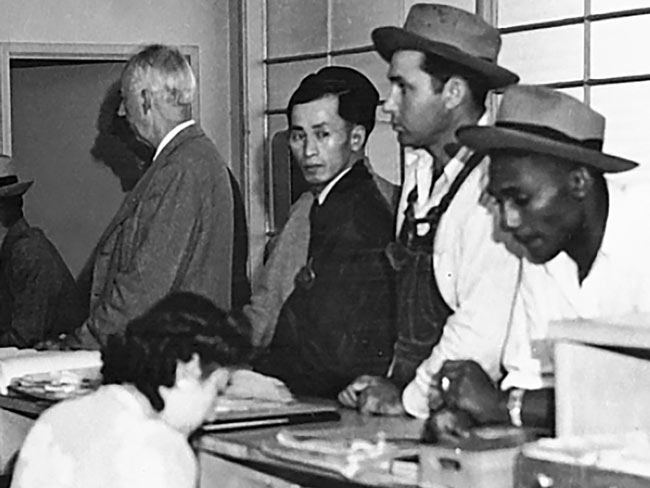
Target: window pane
pixel 354 20
pixel 627 127
pixel 544 56
pixel 613 47
pixel 602 6
pixel 296 27
pixel 578 92
pixel 284 78
pixel 371 65
pixel 516 12
pixel 469 5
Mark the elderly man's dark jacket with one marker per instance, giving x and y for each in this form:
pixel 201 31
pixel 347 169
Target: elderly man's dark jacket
pixel 38 295
pixel 339 323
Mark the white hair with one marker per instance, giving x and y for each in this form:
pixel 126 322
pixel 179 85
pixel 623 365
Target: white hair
pixel 162 68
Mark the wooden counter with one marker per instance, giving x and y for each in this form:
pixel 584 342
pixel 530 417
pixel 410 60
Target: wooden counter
pixel 233 459
pixel 240 454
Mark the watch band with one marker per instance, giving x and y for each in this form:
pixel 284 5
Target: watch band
pixel 515 403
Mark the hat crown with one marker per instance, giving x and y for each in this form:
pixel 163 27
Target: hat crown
pixel 456 27
pixel 547 108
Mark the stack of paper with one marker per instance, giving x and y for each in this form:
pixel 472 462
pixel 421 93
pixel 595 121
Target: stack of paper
pixel 372 461
pixel 15 363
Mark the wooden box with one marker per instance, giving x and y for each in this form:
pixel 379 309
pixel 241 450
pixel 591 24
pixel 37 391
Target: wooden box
pixel 486 460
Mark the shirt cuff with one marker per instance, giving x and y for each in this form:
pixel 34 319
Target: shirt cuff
pixel 524 380
pixel 416 400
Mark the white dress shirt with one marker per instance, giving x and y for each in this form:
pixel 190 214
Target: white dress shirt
pixel 328 188
pixel 475 273
pixel 170 135
pixel 617 284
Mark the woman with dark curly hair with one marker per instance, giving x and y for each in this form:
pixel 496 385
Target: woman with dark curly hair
pixel 160 383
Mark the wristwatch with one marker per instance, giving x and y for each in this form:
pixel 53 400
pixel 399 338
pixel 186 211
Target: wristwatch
pixel 515 402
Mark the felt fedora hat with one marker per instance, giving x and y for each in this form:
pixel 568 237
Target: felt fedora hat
pixel 545 121
pixel 9 184
pixel 450 33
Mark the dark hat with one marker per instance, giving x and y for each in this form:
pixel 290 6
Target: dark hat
pixel 9 185
pixel 451 33
pixel 546 121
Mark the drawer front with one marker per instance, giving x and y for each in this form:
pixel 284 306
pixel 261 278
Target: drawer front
pixel 534 473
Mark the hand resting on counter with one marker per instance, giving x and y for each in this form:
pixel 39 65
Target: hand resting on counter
pixel 373 395
pixel 244 383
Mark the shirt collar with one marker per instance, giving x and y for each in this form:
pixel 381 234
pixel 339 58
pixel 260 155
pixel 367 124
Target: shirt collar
pixel 328 188
pixel 171 134
pixel 458 160
pixel 456 163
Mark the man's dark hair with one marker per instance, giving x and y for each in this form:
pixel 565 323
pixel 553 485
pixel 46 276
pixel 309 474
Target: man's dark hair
pixel 358 97
pixel 441 70
pixel 172 331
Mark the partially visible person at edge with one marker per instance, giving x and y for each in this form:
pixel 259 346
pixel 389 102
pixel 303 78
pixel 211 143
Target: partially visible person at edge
pixel 583 240
pixel 161 379
pixel 456 281
pixel 175 231
pixel 38 296
pixel 338 320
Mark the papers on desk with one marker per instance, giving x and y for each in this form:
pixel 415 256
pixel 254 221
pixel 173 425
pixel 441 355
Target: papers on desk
pixel 376 460
pixel 17 363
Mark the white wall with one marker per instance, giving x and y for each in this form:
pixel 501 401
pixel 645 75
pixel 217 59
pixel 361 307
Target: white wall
pixel 199 22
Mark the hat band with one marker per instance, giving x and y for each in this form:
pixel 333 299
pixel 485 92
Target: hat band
pixel 556 135
pixel 8 180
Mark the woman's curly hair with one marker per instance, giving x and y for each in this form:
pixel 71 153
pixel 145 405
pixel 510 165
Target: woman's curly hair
pixel 171 331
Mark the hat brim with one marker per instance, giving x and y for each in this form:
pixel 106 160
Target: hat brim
pixel 487 139
pixel 387 40
pixel 15 189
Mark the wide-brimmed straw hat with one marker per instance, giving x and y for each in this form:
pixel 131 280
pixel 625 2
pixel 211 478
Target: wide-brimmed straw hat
pixel 9 184
pixel 545 121
pixel 451 33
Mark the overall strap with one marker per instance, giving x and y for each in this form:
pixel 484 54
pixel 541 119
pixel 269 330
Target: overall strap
pixel 474 160
pixel 408 233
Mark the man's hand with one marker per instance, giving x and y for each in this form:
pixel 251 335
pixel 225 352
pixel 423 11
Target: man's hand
pixel 447 424
pixel 244 383
pixel 65 342
pixel 467 387
pixel 373 395
pixel 435 397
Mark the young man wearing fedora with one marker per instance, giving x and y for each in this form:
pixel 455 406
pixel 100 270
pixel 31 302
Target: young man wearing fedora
pixel 38 296
pixel 585 241
pixel 456 283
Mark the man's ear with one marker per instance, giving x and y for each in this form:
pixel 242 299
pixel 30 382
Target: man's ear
pixel 580 182
pixel 188 371
pixel 357 137
pixel 145 100
pixel 454 92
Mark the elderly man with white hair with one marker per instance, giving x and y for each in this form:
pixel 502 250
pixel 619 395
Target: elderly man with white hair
pixel 175 229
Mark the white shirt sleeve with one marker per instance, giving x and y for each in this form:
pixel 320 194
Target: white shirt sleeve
pixel 477 277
